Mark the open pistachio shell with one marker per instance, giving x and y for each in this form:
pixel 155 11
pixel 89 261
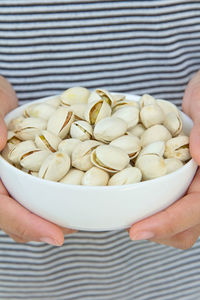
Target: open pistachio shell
pixel 54 102
pixel 154 134
pixel 129 114
pixel 46 140
pixel 79 110
pixel 119 104
pixel 153 148
pixel 172 164
pixel 60 122
pixel 15 123
pixel 109 158
pixel 68 145
pixel 32 160
pixel 105 96
pixel 151 166
pixel 117 98
pixel 137 130
pixel 75 95
pixel 127 176
pixel 178 147
pixel 81 130
pixel 40 110
pixel 81 154
pixel 109 129
pixel 95 176
pixel 97 111
pixel 167 107
pixel 129 144
pixel 74 176
pixel 19 149
pixel 151 115
pixel 29 128
pixel 55 166
pixel 147 100
pixel 173 123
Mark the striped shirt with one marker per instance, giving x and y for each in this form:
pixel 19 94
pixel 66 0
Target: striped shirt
pixel 124 46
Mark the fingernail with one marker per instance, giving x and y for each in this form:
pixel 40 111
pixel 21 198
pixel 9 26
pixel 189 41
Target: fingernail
pixel 145 235
pixel 49 241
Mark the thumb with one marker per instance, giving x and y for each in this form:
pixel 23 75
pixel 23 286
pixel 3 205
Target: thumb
pixel 191 106
pixel 3 133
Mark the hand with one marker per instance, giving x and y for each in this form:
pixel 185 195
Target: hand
pixel 179 225
pixel 19 223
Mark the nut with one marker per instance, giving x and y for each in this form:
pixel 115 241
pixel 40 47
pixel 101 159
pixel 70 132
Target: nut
pixel 126 176
pixel 75 95
pixel 81 130
pixel 95 176
pixel 74 176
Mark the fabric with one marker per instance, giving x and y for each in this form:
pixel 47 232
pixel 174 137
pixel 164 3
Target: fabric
pixel 124 46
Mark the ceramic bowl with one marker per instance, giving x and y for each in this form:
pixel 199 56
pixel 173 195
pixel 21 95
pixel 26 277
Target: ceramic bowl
pixel 95 208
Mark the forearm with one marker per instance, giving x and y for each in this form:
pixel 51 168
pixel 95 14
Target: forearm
pixel 8 98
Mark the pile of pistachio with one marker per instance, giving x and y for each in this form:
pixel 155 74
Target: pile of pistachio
pixel 97 138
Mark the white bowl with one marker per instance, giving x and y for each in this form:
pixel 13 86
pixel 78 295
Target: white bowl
pixel 95 208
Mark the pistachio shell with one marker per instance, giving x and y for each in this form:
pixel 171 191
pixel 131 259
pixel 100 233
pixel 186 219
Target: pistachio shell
pixel 29 128
pixel 68 146
pixel 47 141
pixel 105 96
pixel 74 176
pixel 173 123
pixel 32 160
pixel 94 97
pixel 129 144
pixel 19 149
pixel 81 155
pixel 15 123
pixel 81 130
pixel 55 166
pixel 129 114
pixel 151 115
pixel 154 134
pixel 54 101
pixel 172 164
pixel 153 148
pixel 109 158
pixel 95 176
pixel 75 95
pixel 119 104
pixel 5 152
pixel 117 98
pixel 147 100
pixel 97 111
pixel 178 147
pixel 60 122
pixel 79 110
pixel 151 166
pixel 167 107
pixel 127 176
pixel 41 110
pixel 137 130
pixel 109 129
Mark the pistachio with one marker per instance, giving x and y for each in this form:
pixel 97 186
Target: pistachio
pixel 167 107
pixel 151 166
pixel 153 148
pixel 97 111
pixel 117 98
pixel 137 130
pixel 120 104
pixel 126 176
pixel 172 164
pixel 130 144
pixel 95 176
pixel 47 141
pixel 178 147
pixel 54 101
pixel 19 149
pixel 173 123
pixel 147 100
pixel 99 95
pixel 60 122
pixel 109 129
pixel 154 134
pixel 41 110
pixel 55 166
pixel 129 114
pixel 81 154
pixel 68 146
pixel 79 110
pixel 109 158
pixel 151 115
pixel 14 124
pixel 81 130
pixel 32 160
pixel 75 95
pixel 74 176
pixel 29 128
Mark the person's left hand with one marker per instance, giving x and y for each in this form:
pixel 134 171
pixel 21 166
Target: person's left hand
pixel 179 225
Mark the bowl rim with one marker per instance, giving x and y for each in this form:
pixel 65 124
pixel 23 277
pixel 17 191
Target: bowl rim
pixel 82 187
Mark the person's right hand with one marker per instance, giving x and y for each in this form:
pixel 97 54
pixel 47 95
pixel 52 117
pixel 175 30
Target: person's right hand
pixel 19 223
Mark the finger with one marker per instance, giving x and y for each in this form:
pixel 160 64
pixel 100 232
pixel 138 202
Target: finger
pixel 16 238
pixel 195 185
pixel 19 221
pixel 8 98
pixel 195 142
pixel 3 190
pixel 67 231
pixel 3 135
pixel 183 214
pixel 183 240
